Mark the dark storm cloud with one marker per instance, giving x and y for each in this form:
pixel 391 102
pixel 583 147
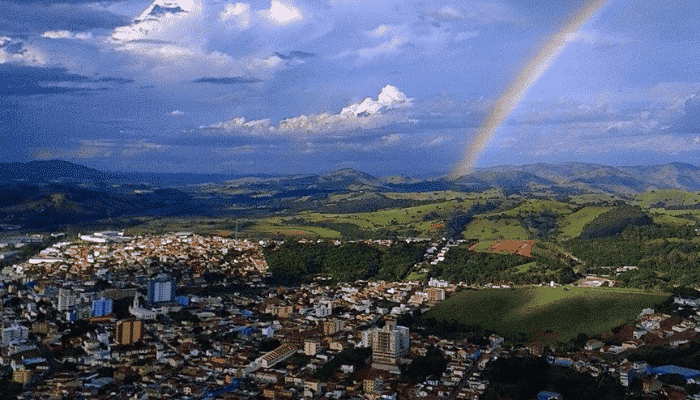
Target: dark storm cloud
pixel 690 122
pixel 19 80
pixel 299 55
pixel 51 2
pixel 232 80
pixel 39 16
pixel 114 80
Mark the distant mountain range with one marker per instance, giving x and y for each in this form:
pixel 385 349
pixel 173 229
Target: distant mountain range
pixel 572 175
pixel 38 193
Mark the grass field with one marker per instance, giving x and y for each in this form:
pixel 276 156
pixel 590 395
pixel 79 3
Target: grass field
pixel 670 197
pixel 526 267
pixel 591 198
pixel 565 313
pixel 395 218
pixel 415 276
pixel 572 224
pixel 537 206
pixel 660 217
pixel 431 196
pixel 678 213
pixel 486 229
pixel 271 229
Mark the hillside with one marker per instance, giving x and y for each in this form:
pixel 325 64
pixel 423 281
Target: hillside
pixel 565 313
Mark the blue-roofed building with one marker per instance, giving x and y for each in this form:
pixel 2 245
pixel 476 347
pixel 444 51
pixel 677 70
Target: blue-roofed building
pixel 560 361
pixel 476 354
pixel 246 330
pixel 687 373
pixel 544 395
pixel 101 307
pixel 268 332
pixel 183 301
pixel 71 316
pixel 222 390
pixel 161 289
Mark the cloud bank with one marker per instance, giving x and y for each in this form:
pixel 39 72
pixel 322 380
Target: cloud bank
pixel 368 114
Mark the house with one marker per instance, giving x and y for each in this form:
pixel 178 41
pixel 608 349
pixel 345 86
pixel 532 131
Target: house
pixel 687 301
pixel 687 373
pixel 544 395
pixel 593 345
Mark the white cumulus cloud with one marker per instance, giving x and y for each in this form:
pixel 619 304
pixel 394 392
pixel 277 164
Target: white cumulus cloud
pixel 367 114
pixel 184 40
pixel 63 34
pixel 238 13
pixel 281 13
pixel 17 51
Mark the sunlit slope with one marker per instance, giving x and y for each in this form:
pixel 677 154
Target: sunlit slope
pixel 564 312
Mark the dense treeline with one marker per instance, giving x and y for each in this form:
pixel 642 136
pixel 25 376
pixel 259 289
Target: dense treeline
pixel 543 223
pixel 615 221
pixel 459 219
pixel 524 378
pixel 461 265
pixel 636 244
pixel 431 365
pixel 687 356
pixel 355 357
pixel 662 263
pixel 295 262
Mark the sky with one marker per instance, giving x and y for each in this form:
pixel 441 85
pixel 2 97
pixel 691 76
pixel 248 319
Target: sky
pixel 307 86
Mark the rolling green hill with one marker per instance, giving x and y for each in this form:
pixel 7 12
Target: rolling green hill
pixel 669 197
pixel 572 224
pixel 563 312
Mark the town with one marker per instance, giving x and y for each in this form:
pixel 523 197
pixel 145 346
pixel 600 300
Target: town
pixel 182 315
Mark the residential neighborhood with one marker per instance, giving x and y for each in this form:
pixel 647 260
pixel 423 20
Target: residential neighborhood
pixel 181 316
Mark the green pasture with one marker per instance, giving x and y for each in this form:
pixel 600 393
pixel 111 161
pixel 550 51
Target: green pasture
pixel 487 229
pixel 661 217
pixel 566 313
pixel 395 218
pixel 415 276
pixel 692 214
pixel 537 206
pixel 525 267
pixel 572 224
pixel 430 196
pixel 588 198
pixel 268 229
pixel 671 197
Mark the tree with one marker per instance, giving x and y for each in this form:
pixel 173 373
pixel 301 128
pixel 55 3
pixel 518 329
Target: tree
pixel 673 379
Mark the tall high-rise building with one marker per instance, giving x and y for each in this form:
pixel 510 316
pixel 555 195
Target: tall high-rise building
pixel 101 307
pixel 16 333
pixel 333 326
pixel 129 332
pixel 66 299
pixel 161 289
pixel 389 345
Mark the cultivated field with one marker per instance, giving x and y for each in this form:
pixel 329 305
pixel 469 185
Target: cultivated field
pixel 564 312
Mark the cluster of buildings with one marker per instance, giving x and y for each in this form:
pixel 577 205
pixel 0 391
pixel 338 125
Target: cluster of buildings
pixel 111 254
pixel 84 318
pixel 137 319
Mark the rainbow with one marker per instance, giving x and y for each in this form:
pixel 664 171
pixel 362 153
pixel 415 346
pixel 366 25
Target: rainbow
pixel 532 72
